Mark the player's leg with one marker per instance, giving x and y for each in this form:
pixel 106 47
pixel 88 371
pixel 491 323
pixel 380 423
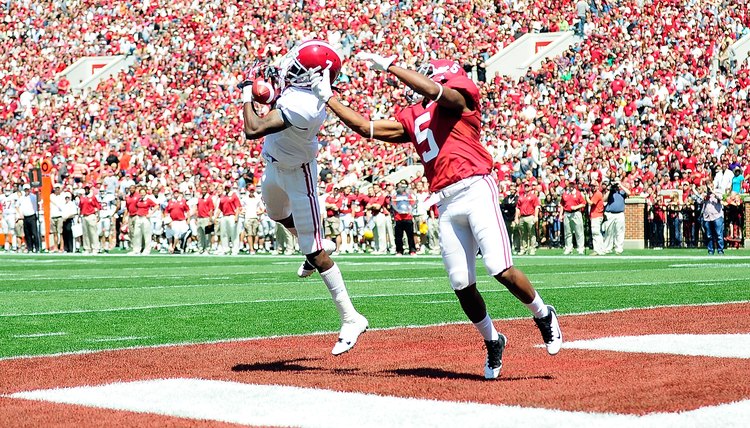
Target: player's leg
pixel 488 229
pixel 459 250
pixel 308 223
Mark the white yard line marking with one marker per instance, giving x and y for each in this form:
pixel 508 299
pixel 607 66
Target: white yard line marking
pixel 275 405
pixel 119 339
pixel 25 336
pixel 318 333
pixel 361 296
pixel 708 345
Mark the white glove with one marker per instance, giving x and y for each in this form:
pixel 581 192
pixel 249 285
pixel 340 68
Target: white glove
pixel 321 86
pixel 247 94
pixel 379 63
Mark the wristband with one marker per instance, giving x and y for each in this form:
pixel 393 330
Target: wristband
pixel 371 130
pixel 440 94
pixel 247 94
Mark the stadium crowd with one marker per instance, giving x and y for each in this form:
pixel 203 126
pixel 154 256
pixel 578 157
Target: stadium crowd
pixel 651 97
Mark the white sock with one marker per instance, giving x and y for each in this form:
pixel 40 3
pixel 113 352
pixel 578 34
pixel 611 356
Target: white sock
pixel 335 283
pixel 537 307
pixel 486 328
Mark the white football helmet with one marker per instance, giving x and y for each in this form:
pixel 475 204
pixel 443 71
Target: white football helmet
pixel 305 60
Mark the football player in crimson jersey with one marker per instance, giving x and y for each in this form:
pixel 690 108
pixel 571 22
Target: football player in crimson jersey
pixel 289 187
pixel 444 125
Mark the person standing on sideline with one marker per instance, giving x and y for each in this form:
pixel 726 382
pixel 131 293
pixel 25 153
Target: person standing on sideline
pixel 444 125
pixel 527 218
pixel 596 215
pixel 508 207
pixel 144 208
pixel 57 201
pixel 204 210
pixel 229 208
pixel 571 205
pixel 403 202
pixel 29 211
pixel 69 213
pixel 289 186
pixel 89 206
pixel 177 209
pixel 614 212
pixel 130 213
pixel 713 222
pixel 9 206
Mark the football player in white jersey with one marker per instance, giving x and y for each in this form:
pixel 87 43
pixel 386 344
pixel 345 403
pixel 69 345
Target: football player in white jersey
pixel 8 203
pixel 289 187
pixel 107 219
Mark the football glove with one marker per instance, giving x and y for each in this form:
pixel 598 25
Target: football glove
pixel 321 86
pixel 377 62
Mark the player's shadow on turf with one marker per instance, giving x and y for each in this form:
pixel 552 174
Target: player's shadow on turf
pixel 286 366
pixel 434 373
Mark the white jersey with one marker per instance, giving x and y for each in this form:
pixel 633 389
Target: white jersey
pixel 297 144
pixel 9 203
pixel 109 205
pixel 250 205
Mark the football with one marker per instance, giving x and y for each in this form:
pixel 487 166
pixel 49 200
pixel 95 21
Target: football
pixel 264 92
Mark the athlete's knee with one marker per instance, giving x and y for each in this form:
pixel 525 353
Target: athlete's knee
pixel 287 222
pixel 459 280
pixel 507 275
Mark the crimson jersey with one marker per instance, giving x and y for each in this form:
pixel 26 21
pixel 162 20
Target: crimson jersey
pixel 448 144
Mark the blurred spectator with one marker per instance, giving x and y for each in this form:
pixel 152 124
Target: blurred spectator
pixel 571 206
pixel 713 222
pixel 614 212
pixel 403 202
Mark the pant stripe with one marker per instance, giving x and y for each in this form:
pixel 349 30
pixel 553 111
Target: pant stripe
pixel 312 194
pixel 501 224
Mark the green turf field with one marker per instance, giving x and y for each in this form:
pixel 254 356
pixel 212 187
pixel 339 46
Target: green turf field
pixel 51 304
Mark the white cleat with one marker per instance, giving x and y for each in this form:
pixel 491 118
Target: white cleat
pixel 349 334
pixel 306 269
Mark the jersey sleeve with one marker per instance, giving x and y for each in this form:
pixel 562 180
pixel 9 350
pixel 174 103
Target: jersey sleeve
pixel 298 114
pixel 466 86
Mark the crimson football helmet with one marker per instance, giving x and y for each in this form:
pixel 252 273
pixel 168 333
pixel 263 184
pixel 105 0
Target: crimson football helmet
pixel 440 71
pixel 307 59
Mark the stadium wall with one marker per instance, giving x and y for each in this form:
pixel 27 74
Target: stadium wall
pixel 741 49
pixel 528 52
pixel 88 71
pixel 635 236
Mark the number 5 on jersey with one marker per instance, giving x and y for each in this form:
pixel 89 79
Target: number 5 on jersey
pixel 423 135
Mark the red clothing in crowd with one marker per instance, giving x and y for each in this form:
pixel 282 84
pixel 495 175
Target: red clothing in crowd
pixel 527 204
pixel 229 204
pixel 89 205
pixel 130 204
pixel 597 204
pixel 334 200
pixel 143 205
pixel 571 199
pixel 177 210
pixel 206 207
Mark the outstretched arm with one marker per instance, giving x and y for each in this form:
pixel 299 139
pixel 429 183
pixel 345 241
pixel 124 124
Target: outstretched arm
pixel 385 130
pixel 423 85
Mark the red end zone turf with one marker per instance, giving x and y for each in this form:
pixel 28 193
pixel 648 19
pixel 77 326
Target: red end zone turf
pixel 442 363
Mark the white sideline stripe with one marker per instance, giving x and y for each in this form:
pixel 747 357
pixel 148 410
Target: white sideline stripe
pixel 707 345
pixel 24 336
pixel 359 296
pixel 119 339
pixel 274 405
pixel 713 265
pixel 318 333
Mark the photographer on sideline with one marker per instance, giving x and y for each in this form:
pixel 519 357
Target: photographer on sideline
pixel 614 216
